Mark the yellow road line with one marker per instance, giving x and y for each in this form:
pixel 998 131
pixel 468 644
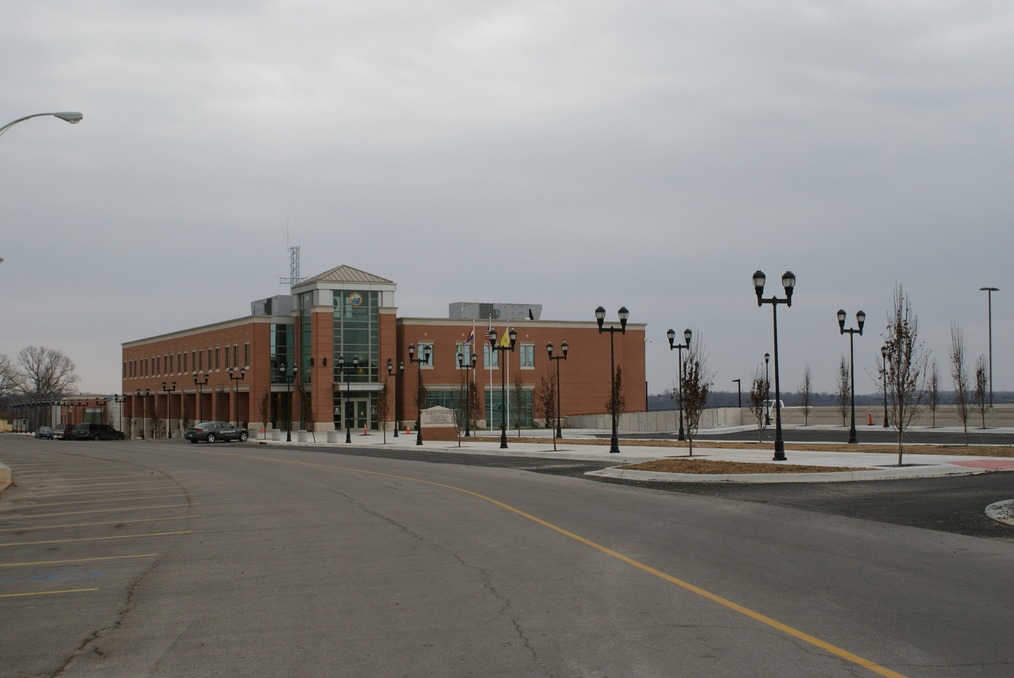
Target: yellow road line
pixel 108 522
pixel 120 536
pixel 44 593
pixel 756 616
pixel 76 560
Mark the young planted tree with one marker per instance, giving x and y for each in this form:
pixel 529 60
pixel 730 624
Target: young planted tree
pixel 545 400
pixel 980 396
pixel 617 393
pixel 265 410
pixel 933 392
pixel 695 384
pixel 905 366
pixel 959 373
pixel 843 389
pixel 760 389
pixel 806 395
pixel 517 397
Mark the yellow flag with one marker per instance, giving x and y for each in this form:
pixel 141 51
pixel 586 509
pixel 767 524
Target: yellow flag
pixel 505 340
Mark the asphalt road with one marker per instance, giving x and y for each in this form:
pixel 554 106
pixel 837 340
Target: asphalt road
pixel 163 559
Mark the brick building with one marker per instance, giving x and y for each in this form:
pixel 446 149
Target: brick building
pixel 320 358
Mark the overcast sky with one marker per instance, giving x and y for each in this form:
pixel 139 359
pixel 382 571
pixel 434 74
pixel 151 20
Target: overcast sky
pixel 646 154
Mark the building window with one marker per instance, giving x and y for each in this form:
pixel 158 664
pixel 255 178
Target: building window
pixel 526 356
pixel 235 355
pixel 490 358
pixel 228 353
pixel 246 354
pixel 465 351
pixel 421 352
pixel 218 353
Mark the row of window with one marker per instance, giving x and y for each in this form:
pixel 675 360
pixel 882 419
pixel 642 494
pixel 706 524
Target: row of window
pixel 184 362
pixel 490 358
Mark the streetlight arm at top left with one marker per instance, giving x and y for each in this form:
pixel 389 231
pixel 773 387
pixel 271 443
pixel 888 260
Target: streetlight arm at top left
pixel 73 117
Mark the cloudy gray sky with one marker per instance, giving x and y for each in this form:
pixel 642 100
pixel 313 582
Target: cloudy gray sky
pixel 634 153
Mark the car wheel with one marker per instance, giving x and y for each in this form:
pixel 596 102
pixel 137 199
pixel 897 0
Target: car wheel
pixel 96 437
pixel 119 437
pixel 242 437
pixel 210 438
pixel 193 441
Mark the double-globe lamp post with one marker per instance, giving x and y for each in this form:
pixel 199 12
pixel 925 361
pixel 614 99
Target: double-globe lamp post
pixel 788 283
pixel 884 352
pixel 989 334
pixel 168 409
pixel 671 336
pixel 468 365
pixel 427 349
pixel 396 375
pixel 600 317
pixel 199 385
pixel 557 358
pixel 235 389
pixel 512 337
pixel 860 321
pixel 344 369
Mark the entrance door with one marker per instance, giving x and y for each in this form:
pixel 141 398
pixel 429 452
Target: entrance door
pixel 356 414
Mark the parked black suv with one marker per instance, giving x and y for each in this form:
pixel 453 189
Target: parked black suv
pixel 96 432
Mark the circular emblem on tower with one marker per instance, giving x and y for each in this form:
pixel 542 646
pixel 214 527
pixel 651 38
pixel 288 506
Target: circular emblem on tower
pixel 355 299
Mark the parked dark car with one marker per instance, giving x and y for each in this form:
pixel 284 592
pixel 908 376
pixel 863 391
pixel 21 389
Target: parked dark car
pixel 45 432
pixel 212 431
pixel 96 432
pixel 65 433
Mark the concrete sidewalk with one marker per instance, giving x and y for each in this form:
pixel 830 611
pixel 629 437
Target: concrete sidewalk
pixel 867 465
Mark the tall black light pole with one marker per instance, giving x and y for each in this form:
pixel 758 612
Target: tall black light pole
pixel 424 358
pixel 883 354
pixel 143 395
pixel 671 336
pixel 860 321
pixel 290 376
pixel 512 337
pixel 739 392
pixel 168 409
pixel 989 328
pixel 469 365
pixel 396 375
pixel 235 389
pixel 767 385
pixel 344 369
pixel 788 283
pixel 200 384
pixel 600 317
pixel 119 401
pixel 557 358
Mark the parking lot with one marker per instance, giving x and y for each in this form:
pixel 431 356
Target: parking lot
pixel 75 527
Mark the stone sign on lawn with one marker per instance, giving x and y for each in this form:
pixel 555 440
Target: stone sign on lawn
pixel 439 423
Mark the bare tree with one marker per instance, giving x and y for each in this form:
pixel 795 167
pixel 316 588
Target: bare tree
pixel 844 389
pixel 383 408
pixel 806 395
pixel 517 400
pixel 545 400
pixel 695 385
pixel 8 377
pixel 760 389
pixel 265 410
pixel 617 393
pixel 959 373
pixel 44 373
pixel 905 366
pixel 933 392
pixel 980 396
